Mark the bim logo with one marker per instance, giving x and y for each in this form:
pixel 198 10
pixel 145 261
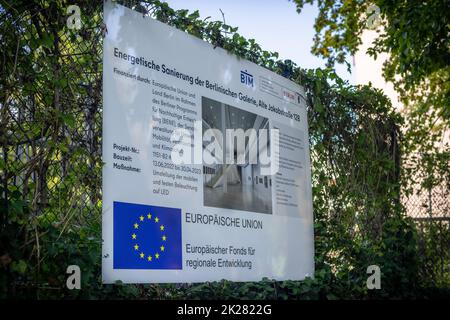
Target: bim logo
pixel 246 78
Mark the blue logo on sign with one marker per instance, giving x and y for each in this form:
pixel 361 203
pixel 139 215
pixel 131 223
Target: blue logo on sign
pixel 246 78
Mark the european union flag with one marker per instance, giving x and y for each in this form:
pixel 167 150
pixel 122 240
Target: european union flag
pixel 146 237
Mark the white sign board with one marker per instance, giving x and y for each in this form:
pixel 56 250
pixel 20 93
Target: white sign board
pixel 185 196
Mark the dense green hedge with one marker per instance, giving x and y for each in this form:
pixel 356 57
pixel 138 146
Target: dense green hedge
pixel 51 194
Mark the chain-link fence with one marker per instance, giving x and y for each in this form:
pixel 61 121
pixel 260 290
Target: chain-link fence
pixel 429 208
pixel 429 203
pixel 50 137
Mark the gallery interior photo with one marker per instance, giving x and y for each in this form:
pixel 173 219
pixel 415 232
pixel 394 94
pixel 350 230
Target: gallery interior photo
pixel 235 185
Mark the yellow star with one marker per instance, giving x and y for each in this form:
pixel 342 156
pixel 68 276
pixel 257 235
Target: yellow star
pixel 162 228
pixel 142 255
pixel 141 218
pixel 149 216
pixel 156 219
pixel 136 247
pixel 157 255
pixel 133 236
pixel 149 258
pixel 163 238
pixel 136 226
pixel 162 248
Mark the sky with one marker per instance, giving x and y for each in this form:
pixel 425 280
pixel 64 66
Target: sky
pixel 274 24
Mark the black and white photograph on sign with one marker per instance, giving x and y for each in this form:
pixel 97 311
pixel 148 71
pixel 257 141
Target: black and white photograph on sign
pixel 237 185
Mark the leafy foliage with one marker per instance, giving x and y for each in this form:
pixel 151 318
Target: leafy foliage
pixel 415 35
pixel 50 139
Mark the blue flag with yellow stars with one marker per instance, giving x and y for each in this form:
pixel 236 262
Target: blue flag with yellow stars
pixel 146 237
